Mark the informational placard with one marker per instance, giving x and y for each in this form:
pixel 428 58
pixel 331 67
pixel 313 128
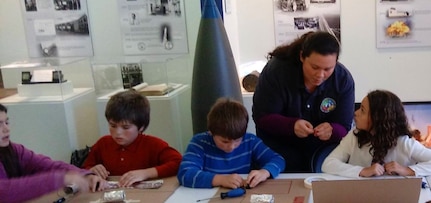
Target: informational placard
pixel 131 74
pixel 292 18
pixel 153 27
pixel 403 23
pixel 57 28
pixel 42 75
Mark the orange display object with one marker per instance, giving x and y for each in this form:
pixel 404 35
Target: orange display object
pixel 428 138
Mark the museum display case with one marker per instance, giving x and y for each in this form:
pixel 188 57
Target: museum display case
pixel 54 109
pixel 77 70
pixel 118 73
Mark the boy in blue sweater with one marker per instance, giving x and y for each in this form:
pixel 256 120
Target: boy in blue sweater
pixel 218 156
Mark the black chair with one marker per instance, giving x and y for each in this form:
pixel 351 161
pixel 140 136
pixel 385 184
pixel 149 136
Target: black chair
pixel 319 156
pixel 78 156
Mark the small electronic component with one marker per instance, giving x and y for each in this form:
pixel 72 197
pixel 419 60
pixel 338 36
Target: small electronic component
pixel 261 198
pixel 113 185
pixel 71 189
pixel 114 196
pixel 151 184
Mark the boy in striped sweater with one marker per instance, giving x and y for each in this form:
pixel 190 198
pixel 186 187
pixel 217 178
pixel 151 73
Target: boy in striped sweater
pixel 218 156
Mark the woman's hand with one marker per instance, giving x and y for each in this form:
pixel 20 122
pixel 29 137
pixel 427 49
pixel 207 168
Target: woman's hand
pixel 303 128
pixel 323 131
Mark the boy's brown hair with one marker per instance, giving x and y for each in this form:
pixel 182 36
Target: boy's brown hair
pixel 227 118
pixel 129 106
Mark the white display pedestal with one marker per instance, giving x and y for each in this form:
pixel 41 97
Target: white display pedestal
pixel 170 117
pixel 247 99
pixel 54 125
pixel 45 89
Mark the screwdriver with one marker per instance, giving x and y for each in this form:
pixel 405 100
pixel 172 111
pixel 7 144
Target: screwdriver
pixel 232 193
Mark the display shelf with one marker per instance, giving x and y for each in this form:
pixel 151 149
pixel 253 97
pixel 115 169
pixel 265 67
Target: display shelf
pixel 45 89
pixel 111 74
pixel 76 70
pixel 16 98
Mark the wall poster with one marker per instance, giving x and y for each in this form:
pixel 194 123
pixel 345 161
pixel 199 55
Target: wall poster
pixel 153 26
pixel 57 28
pixel 292 18
pixel 403 23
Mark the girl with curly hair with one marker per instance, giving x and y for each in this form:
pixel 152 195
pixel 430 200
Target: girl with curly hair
pixel 380 144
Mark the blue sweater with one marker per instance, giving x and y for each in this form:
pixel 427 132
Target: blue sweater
pixel 203 160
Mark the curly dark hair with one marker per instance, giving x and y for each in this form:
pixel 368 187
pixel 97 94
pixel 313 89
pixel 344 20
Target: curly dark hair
pixel 320 42
pixel 388 122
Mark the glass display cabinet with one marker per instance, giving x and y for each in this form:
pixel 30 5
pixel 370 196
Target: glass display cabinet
pixel 54 109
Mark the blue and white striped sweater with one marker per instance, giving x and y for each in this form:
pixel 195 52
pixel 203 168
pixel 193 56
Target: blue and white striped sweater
pixel 203 160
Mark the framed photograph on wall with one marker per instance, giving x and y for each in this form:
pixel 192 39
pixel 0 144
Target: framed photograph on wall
pixel 403 23
pixel 292 18
pixel 57 28
pixel 153 27
pixel 131 74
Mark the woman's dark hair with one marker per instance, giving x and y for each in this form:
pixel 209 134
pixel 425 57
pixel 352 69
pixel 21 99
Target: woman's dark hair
pixel 320 42
pixel 8 157
pixel 227 118
pixel 130 106
pixel 388 122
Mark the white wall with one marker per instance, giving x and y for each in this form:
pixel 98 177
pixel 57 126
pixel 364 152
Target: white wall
pixel 12 36
pixel 404 71
pixel 107 42
pixel 105 32
pixel 250 26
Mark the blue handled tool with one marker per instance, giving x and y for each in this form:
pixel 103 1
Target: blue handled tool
pixel 231 193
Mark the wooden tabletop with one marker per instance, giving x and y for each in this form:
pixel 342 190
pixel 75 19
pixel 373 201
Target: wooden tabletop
pixel 282 190
pixel 143 195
